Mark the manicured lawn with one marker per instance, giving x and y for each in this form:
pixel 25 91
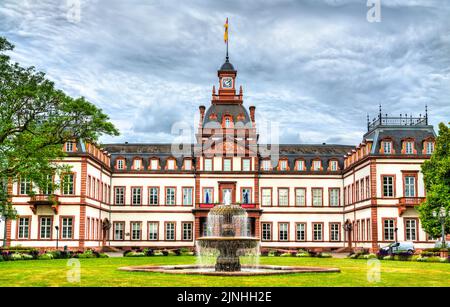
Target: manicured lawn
pixel 103 272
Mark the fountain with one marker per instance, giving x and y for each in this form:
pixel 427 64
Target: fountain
pixel 227 239
pixel 227 227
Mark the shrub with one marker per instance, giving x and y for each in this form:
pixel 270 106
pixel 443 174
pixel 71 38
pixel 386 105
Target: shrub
pixel 126 252
pixel 304 254
pixel 46 256
pixel 388 258
pixel 370 256
pixel 158 253
pixel 16 256
pixel 286 255
pixel 271 253
pixel 171 253
pixel 135 254
pixel 165 253
pixel 422 259
pixel 264 252
pixel 324 255
pixel 148 252
pixel 103 255
pixel 434 259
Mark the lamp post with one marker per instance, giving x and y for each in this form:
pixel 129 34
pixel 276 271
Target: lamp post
pixel 442 215
pixel 57 236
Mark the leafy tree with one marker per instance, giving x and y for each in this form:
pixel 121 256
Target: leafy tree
pixel 36 119
pixel 436 172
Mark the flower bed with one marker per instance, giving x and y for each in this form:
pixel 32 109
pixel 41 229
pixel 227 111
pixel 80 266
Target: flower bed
pixel 148 252
pixel 290 253
pixel 427 255
pixel 13 254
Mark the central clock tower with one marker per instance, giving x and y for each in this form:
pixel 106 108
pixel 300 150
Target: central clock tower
pixel 227 85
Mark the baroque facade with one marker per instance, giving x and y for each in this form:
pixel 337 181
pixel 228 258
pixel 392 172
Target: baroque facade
pixel 324 197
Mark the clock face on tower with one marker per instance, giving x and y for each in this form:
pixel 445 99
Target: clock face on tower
pixel 227 82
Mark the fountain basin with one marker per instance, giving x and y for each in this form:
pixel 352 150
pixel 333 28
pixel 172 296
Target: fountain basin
pixel 245 270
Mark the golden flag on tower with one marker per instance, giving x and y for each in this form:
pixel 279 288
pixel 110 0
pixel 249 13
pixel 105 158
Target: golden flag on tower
pixel 225 35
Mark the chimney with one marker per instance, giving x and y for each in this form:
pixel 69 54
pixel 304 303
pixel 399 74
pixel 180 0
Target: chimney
pixel 252 113
pixel 202 113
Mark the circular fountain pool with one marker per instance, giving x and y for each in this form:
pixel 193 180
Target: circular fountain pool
pixel 244 270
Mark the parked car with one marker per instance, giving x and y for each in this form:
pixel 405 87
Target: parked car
pixel 398 248
pixel 438 244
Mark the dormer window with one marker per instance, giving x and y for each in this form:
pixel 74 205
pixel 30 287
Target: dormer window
pixel 154 164
pixel 283 165
pixel 120 164
pixel 409 147
pixel 227 122
pixel 430 148
pixel 171 164
pixel 188 164
pixel 300 165
pixel 334 165
pixel 387 147
pixel 69 147
pixel 137 164
pixel 317 165
pixel 266 165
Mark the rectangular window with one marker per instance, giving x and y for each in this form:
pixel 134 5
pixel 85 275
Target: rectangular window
pixel 136 194
pixel 334 165
pixel 334 232
pixel 137 164
pixel 283 197
pixel 387 146
pixel 300 165
pixel 266 231
pixel 283 165
pixel 119 193
pixel 154 164
pixel 119 230
pixel 207 195
pixel 411 229
pixel 283 232
pixel 388 186
pixel 389 230
pixel 171 164
pixel 266 165
pixel 187 231
pixel 300 231
pixel 410 186
pixel 24 228
pixel 67 228
pixel 334 197
pixel 135 230
pixel 409 148
pixel 69 146
pixel 187 196
pixel 317 232
pixel 170 231
pixel 68 184
pixel 367 187
pixel 430 148
pixel 187 164
pixel 153 196
pixel 300 197
pixel 208 164
pixel 227 164
pixel 48 186
pixel 170 196
pixel 45 231
pixel 246 165
pixel 317 197
pixel 246 195
pixel 153 231
pixel 266 197
pixel 120 164
pixel 25 186
pixel 317 165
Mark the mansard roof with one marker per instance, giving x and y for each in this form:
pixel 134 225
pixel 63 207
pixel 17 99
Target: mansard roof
pixel 219 110
pixel 399 133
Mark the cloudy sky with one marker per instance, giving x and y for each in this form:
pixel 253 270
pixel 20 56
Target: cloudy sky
pixel 316 68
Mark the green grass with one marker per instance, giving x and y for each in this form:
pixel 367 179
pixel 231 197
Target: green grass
pixel 103 272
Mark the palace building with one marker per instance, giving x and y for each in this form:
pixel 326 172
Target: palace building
pixel 324 197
